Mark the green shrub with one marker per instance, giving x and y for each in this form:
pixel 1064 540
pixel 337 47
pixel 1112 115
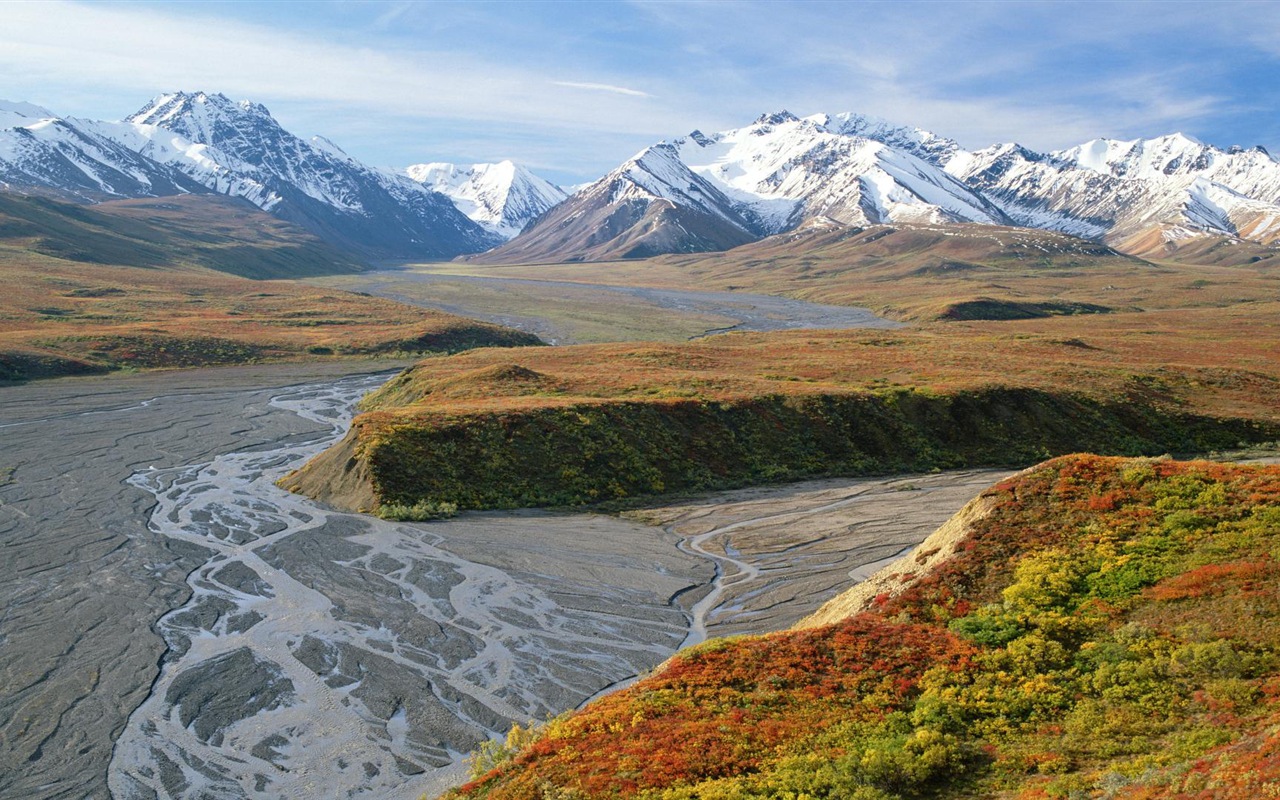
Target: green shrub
pixel 422 511
pixel 611 451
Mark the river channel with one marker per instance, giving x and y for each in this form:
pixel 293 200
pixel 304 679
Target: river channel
pixel 565 312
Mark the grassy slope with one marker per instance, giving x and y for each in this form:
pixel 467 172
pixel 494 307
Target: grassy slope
pixel 209 231
pixel 1218 250
pixel 587 423
pixel 154 284
pixel 1111 626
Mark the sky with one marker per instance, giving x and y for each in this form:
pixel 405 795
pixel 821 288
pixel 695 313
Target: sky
pixel 572 89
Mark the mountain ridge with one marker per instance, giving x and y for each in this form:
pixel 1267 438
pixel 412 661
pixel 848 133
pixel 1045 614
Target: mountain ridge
pixel 368 210
pixel 1159 197
pixel 759 180
pixel 1148 197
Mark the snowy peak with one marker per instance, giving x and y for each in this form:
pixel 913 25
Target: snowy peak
pixel 242 138
pixel 195 142
pixel 777 118
pixel 710 191
pixel 13 114
pixel 329 146
pixel 1142 158
pixel 249 141
pixel 923 144
pixel 237 147
pixel 649 205
pixel 694 193
pixel 784 169
pixel 1251 172
pixel 659 173
pixel 1168 188
pixel 80 159
pixel 205 118
pixel 1211 206
pixel 26 109
pixel 699 138
pixel 503 197
pixel 983 168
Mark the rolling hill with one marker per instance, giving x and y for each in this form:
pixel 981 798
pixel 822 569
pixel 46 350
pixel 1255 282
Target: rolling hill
pixel 166 283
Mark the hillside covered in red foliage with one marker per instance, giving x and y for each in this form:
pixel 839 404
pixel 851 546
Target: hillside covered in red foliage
pixel 1110 629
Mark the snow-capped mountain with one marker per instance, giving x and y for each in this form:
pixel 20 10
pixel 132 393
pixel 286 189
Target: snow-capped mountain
pixel 197 142
pixel 1145 196
pixel 312 183
pixel 651 204
pixel 920 143
pixel 693 193
pixel 503 197
pixel 1251 172
pixel 787 169
pixel 77 158
pixel 1038 191
pixel 703 192
pixel 1136 194
pixel 13 115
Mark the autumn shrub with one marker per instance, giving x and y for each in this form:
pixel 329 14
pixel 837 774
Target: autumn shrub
pixel 1071 648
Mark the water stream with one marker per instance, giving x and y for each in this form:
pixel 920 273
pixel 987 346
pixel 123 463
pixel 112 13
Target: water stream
pixel 326 654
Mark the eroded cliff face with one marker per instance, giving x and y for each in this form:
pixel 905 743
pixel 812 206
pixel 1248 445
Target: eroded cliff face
pixel 894 578
pixel 338 477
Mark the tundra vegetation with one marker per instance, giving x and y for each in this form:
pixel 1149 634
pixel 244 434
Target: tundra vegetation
pixel 591 423
pixel 189 282
pixel 1110 628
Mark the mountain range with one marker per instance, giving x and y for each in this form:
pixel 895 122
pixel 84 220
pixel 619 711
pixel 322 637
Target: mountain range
pixel 1149 197
pixel 695 193
pixel 205 143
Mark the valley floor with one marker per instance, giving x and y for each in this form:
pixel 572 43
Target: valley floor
pixel 569 312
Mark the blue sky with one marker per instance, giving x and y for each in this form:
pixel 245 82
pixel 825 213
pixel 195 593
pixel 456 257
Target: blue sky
pixel 574 88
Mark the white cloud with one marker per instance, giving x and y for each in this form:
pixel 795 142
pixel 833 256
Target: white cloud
pixel 138 47
pixel 977 72
pixel 403 82
pixel 604 87
pixel 395 12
